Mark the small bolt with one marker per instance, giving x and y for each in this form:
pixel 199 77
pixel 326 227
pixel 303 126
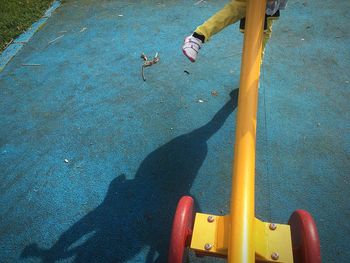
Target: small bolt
pixel 210 219
pixel 275 256
pixel 273 226
pixel 208 246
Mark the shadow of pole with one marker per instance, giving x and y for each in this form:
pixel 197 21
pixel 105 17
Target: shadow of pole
pixel 138 213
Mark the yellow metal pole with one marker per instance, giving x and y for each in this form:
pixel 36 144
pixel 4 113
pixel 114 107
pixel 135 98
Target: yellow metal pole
pixel 241 238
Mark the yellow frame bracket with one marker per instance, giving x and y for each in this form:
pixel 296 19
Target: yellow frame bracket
pixel 272 242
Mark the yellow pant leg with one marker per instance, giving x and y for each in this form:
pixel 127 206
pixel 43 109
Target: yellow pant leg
pixel 231 13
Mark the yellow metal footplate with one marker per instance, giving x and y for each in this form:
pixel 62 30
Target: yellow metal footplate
pixel 272 241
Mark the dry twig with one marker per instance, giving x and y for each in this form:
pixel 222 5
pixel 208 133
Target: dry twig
pixel 148 63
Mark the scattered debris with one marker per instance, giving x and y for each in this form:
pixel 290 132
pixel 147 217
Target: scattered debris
pixel 31 65
pixel 214 93
pixel 83 29
pixel 57 38
pixel 188 73
pixel 66 161
pixel 200 1
pixel 8 43
pixel 144 57
pixel 148 63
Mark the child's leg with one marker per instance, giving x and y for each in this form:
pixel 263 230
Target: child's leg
pixel 231 13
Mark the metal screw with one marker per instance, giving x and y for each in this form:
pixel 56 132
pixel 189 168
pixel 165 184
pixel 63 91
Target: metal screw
pixel 275 256
pixel 208 246
pixel 210 219
pixel 273 226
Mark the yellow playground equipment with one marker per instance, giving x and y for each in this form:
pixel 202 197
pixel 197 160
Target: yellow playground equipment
pixel 239 236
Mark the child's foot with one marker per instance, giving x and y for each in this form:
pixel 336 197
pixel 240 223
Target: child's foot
pixel 191 47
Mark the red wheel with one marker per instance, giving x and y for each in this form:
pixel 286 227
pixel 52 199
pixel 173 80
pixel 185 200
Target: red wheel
pixel 181 232
pixel 305 240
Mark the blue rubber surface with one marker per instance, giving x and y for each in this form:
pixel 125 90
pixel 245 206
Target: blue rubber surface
pixel 93 159
pixel 9 53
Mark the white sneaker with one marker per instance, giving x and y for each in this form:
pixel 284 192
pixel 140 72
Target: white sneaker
pixel 191 47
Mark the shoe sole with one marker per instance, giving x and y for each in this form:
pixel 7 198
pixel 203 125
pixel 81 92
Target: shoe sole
pixel 191 59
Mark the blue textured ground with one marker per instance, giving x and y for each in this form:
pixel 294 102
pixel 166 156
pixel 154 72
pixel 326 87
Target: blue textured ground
pixel 135 147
